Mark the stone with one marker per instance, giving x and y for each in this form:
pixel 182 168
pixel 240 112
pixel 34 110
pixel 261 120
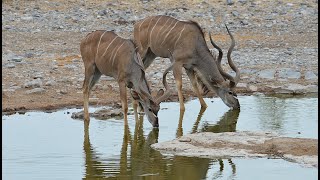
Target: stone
pixel 267 74
pixel 63 91
pixel 244 22
pixel 289 73
pixel 252 88
pixel 33 83
pixel 241 144
pixel 29 55
pixel 10 65
pixel 309 75
pixel 229 2
pixel 38 76
pixel 14 58
pixel 27 18
pixel 100 114
pixel 242 85
pixel 235 13
pixel 35 91
pixel 7 27
pixel 296 89
pixel 248 71
pixel 50 83
pixel 311 89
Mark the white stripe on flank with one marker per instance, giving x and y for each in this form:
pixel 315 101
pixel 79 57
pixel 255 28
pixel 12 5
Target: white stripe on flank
pixel 142 23
pixel 139 40
pixel 179 36
pixel 117 52
pixel 99 44
pixel 169 32
pixel 109 46
pixel 149 25
pixel 164 31
pixel 152 30
pixel 162 27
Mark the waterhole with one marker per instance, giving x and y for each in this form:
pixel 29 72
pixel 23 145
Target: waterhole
pixel 39 145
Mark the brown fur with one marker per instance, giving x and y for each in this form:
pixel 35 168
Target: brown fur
pixel 156 36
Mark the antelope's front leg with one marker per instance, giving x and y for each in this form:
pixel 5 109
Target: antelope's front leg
pixel 124 102
pixel 177 73
pixel 192 78
pixel 135 108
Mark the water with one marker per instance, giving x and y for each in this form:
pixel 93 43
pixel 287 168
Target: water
pixel 41 145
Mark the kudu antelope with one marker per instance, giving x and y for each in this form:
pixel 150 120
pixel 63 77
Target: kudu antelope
pixel 104 52
pixel 155 35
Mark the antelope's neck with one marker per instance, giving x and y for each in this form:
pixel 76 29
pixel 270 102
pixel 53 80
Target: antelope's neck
pixel 207 65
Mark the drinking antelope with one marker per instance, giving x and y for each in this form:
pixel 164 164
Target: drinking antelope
pixel 155 35
pixel 104 52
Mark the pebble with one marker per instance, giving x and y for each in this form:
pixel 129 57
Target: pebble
pixel 266 74
pixel 50 83
pixel 289 73
pixel 35 91
pixel 309 75
pixel 33 83
pixel 10 66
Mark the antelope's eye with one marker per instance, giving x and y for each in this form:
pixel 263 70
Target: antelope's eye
pixel 150 109
pixel 230 93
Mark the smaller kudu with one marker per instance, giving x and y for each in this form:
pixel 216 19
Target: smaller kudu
pixel 104 52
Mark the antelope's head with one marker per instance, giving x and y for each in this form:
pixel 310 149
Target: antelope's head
pixel 223 87
pixel 228 96
pixel 141 93
pixel 151 105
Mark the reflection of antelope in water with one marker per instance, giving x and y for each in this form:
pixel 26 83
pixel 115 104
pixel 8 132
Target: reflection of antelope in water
pixel 104 52
pixel 227 123
pixel 155 35
pixel 141 160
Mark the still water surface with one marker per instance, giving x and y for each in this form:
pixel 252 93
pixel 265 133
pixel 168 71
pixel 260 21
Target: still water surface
pixel 40 145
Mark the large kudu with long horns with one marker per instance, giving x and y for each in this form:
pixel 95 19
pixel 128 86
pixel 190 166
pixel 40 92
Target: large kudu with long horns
pixel 103 52
pixel 155 35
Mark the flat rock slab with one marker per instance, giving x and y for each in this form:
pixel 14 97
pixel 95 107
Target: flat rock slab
pixel 243 144
pixel 100 114
pixel 266 74
pixel 289 73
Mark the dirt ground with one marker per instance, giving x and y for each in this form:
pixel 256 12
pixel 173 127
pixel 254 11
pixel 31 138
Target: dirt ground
pixel 55 53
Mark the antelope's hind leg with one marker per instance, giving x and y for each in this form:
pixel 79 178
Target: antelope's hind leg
pixel 124 102
pixel 92 75
pixel 177 73
pixel 192 77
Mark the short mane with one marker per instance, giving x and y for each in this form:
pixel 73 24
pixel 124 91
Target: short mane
pixel 197 25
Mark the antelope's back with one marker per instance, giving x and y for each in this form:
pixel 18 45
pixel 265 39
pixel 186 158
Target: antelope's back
pixel 106 49
pixel 161 33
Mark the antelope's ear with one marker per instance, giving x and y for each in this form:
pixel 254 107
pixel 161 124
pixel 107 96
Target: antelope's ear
pixel 139 60
pixel 160 93
pixel 135 95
